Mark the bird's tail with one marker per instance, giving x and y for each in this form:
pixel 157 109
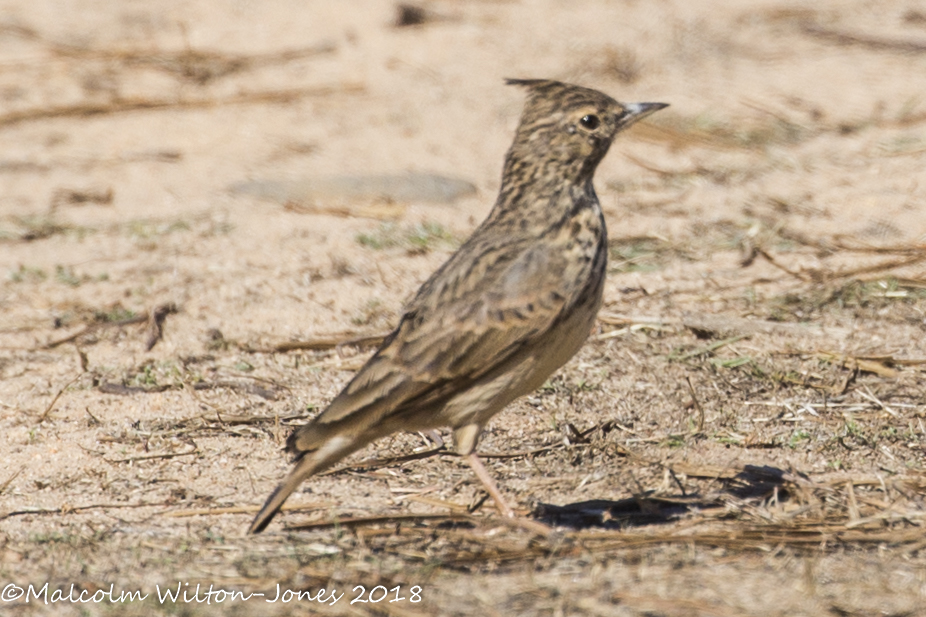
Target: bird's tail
pixel 310 464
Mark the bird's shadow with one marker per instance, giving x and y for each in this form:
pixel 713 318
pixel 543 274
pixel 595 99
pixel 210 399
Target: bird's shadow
pixel 752 484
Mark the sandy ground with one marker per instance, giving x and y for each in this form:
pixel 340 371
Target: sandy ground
pixel 765 306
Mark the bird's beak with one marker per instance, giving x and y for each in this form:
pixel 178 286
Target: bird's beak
pixel 638 111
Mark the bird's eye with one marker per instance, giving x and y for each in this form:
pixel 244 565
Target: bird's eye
pixel 591 122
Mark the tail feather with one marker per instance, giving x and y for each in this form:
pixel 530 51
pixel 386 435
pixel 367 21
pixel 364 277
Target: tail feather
pixel 310 464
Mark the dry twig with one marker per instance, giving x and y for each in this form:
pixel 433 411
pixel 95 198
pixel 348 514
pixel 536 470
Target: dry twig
pixel 156 318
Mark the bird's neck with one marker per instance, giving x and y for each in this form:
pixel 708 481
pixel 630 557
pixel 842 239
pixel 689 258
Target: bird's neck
pixel 539 194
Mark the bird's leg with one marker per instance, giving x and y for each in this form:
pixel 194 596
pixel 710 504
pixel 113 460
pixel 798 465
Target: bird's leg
pixel 489 483
pixel 433 436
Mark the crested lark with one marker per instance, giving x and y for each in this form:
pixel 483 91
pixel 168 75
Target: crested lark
pixel 511 306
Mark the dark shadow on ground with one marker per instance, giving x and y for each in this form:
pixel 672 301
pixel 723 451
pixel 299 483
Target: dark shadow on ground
pixel 753 484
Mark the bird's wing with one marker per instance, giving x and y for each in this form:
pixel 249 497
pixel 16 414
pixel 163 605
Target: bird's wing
pixel 461 326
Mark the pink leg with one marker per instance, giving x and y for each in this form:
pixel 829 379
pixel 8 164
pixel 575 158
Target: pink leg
pixel 489 483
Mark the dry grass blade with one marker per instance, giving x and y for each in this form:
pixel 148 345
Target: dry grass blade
pixel 761 538
pixel 915 484
pixel 268 393
pixel 697 404
pixel 154 318
pixel 604 336
pixel 134 104
pixel 878 267
pixel 866 393
pixel 124 390
pixel 325 343
pixel 8 481
pixel 271 393
pixel 534 451
pixel 51 405
pixel 768 257
pixel 143 318
pixel 615 319
pixel 380 212
pixel 658 170
pixel 244 419
pixel 850 243
pixel 398 519
pixel 288 507
pixel 913 254
pixel 200 66
pixel 853 503
pixel 706 324
pixel 879 365
pixel 66 509
pixel 389 461
pixel 707 349
pixel 197 65
pixel 681 138
pixel 148 457
pixel 438 503
pixel 842 37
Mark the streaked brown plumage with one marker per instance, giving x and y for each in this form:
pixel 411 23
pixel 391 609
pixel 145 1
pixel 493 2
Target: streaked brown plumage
pixel 511 306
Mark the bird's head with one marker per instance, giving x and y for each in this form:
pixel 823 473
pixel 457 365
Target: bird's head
pixel 568 129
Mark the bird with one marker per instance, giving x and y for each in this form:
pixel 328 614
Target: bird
pixel 513 304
